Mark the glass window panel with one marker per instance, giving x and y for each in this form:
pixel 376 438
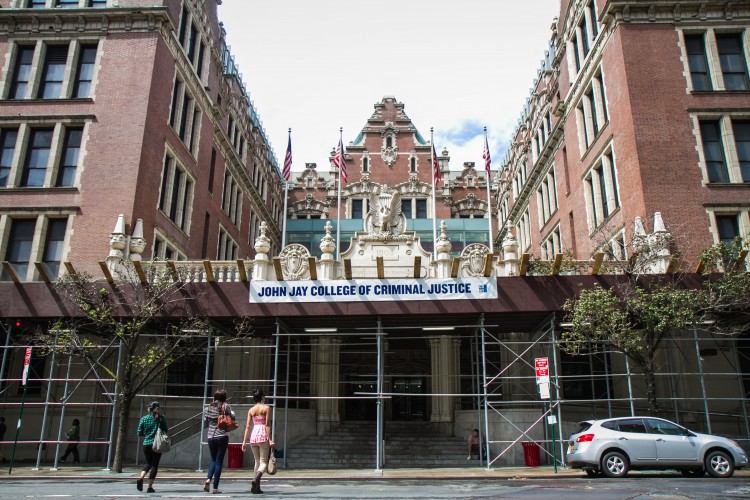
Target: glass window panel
pixel 728 227
pixel 696 51
pixel 54 71
pixel 421 209
pixel 37 158
pixel 742 142
pixel 22 71
pixel 66 174
pixel 19 247
pixel 67 4
pixel 713 151
pixel 85 71
pixel 406 208
pixel 53 247
pixel 8 145
pixel 356 209
pixel 732 62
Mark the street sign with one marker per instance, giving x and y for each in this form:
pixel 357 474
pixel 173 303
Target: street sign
pixel 542 370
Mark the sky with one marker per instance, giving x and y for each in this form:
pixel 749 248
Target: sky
pixel 457 65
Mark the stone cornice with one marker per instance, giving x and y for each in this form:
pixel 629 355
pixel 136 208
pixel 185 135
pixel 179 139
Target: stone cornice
pixel 76 21
pixel 674 11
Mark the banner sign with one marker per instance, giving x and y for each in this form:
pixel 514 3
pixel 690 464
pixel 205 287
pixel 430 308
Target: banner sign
pixel 372 290
pixel 26 363
pixel 542 370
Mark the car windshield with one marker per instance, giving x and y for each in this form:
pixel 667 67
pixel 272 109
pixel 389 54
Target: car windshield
pixel 583 427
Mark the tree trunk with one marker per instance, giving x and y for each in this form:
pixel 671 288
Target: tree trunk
pixel 123 415
pixel 648 373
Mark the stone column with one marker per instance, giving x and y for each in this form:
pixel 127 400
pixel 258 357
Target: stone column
pixel 262 246
pixel 327 262
pixel 324 381
pixel 444 360
pixel 510 252
pixel 443 246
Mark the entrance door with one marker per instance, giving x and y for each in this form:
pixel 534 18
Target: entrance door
pixel 404 405
pixel 360 409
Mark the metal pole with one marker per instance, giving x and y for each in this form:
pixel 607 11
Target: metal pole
pixel 46 403
pixel 379 413
pixel 476 383
pixel 593 384
pixel 205 397
pixel 606 381
pixel 489 200
pixel 700 373
pixel 275 379
pixel 338 203
pixel 5 357
pixel 557 396
pixel 286 393
pixel 286 192
pixel 484 392
pixel 630 386
pixel 742 393
pixel 62 414
pixel 672 386
pixel 115 399
pixel 433 156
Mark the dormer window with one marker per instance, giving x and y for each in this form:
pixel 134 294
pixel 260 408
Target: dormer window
pixel 389 141
pixel 365 164
pixel 413 164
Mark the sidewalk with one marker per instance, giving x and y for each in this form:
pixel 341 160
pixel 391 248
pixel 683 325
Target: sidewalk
pixel 25 471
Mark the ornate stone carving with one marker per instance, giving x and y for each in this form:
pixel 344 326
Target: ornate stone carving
pixel 262 243
pixel 294 263
pixel 389 155
pixel 472 258
pixel 385 217
pixel 328 242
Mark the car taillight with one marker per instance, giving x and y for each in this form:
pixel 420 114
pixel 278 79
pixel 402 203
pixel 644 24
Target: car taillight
pixel 585 438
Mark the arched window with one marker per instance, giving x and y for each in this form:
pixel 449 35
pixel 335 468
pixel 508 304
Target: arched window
pixel 413 164
pixel 365 164
pixel 389 141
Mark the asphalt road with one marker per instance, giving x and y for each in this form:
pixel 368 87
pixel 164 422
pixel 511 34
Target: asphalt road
pixel 659 487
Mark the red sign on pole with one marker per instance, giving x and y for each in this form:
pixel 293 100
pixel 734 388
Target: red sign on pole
pixel 26 363
pixel 542 370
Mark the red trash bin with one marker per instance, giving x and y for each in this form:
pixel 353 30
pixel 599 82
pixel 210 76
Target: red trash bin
pixel 236 456
pixel 531 456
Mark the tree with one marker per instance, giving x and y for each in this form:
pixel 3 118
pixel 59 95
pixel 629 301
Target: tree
pixel 156 324
pixel 636 315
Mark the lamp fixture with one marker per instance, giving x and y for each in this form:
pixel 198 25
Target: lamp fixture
pixel 437 328
pixel 321 330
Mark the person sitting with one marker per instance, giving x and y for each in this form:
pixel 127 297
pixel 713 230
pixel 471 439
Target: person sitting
pixel 474 444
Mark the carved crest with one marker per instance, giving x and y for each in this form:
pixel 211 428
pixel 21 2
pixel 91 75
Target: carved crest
pixel 294 263
pixel 472 258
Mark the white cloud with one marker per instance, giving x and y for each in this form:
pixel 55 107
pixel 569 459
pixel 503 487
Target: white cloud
pixel 319 65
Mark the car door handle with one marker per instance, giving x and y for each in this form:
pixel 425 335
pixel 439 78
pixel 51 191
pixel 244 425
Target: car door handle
pixel 622 438
pixel 660 440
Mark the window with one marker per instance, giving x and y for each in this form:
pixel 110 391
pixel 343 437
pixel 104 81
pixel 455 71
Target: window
pixel 583 37
pixel 98 4
pixel 728 228
pixel 37 157
pixel 36 4
pixel 742 142
pixel 66 4
pixel 713 151
pixel 696 52
pixel 617 248
pixel 413 164
pixel 54 72
pixel 664 427
pixel 552 244
pixel 421 209
pixel 175 199
pixel 165 250
pixel 524 231
pixel 365 164
pixel 634 425
pixel 732 60
pixel 85 71
pixel 406 208
pixel 53 247
pixel 585 377
pixel 7 149
pixel 357 209
pixel 191 41
pixel 21 72
pixel 547 197
pixel 184 117
pixel 20 241
pixel 69 163
pixel 232 199
pixel 228 248
pixel 601 191
pixel 591 112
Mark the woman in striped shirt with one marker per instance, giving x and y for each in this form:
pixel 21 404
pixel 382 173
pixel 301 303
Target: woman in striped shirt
pixel 218 439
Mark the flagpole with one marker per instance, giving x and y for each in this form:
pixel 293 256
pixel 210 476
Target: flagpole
pixel 338 206
pixel 286 196
pixel 434 188
pixel 489 201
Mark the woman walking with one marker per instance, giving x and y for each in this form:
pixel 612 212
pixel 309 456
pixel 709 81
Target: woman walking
pixel 260 438
pixel 147 428
pixel 218 439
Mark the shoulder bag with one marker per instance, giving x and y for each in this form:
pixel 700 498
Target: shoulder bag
pixel 162 441
pixel 225 422
pixel 271 468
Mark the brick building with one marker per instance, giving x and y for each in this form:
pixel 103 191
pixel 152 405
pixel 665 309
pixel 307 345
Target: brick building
pixel 638 108
pixel 127 107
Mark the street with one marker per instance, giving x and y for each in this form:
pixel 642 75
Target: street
pixel 638 486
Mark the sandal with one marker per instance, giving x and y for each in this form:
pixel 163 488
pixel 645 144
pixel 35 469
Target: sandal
pixel 217 492
pixel 207 486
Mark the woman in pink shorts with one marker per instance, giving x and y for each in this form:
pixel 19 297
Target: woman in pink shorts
pixel 260 437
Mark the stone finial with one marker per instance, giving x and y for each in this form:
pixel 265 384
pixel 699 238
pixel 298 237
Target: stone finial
pixel 443 243
pixel 638 229
pixel 328 242
pixel 137 242
pixel 117 238
pixel 262 243
pixel 659 226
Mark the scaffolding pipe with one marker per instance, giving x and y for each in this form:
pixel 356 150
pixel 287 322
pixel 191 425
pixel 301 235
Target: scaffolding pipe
pixel 703 385
pixel 62 414
pixel 484 386
pixel 46 404
pixel 275 380
pixel 205 397
pixel 630 386
pixel 5 357
pixel 115 401
pixel 672 387
pixel 743 393
pixel 557 393
pixel 286 399
pixel 476 382
pixel 379 459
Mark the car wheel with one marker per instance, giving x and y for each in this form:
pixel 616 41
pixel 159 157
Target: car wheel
pixel 693 472
pixel 614 464
pixel 719 464
pixel 592 472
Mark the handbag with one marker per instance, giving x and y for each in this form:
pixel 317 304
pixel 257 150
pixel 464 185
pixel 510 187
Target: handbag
pixel 225 422
pixel 162 441
pixel 271 468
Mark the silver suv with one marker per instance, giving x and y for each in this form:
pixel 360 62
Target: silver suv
pixel 616 445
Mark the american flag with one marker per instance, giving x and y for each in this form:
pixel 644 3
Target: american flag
pixel 286 172
pixel 339 161
pixel 435 165
pixel 486 155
